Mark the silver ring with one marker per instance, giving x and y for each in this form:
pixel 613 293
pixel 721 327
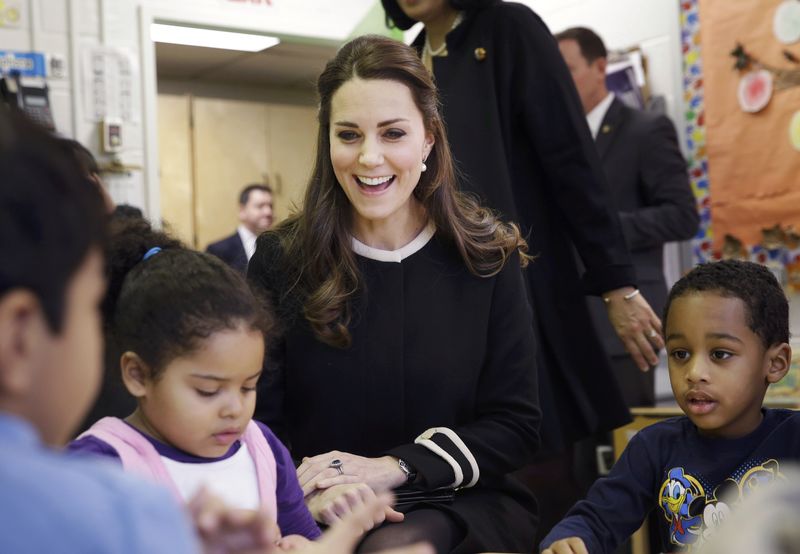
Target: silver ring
pixel 652 334
pixel 337 465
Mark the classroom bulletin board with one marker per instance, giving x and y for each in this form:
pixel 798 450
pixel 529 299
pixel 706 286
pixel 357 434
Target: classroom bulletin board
pixel 741 63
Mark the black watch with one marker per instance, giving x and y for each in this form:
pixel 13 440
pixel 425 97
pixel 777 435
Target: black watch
pixel 405 467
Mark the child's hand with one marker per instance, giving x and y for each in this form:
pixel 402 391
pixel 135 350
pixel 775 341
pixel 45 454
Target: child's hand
pixel 291 543
pixel 342 537
pixel 332 504
pixel 223 530
pixel 570 545
pixel 226 531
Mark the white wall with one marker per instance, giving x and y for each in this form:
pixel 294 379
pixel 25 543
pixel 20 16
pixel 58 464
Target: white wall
pixel 67 28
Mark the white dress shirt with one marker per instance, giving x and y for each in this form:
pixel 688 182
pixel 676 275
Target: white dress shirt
pixel 248 240
pixel 598 113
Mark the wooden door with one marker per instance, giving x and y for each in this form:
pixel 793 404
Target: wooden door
pixel 175 165
pixel 292 144
pixel 230 151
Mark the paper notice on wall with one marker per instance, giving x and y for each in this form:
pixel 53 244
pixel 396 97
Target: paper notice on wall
pixel 110 77
pixel 126 187
pixel 27 64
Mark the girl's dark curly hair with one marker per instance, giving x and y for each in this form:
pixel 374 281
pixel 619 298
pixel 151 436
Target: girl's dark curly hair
pixel 163 307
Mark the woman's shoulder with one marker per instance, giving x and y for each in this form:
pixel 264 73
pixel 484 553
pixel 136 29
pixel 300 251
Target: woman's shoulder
pixel 512 23
pixel 272 276
pixel 492 267
pixel 269 246
pixel 269 262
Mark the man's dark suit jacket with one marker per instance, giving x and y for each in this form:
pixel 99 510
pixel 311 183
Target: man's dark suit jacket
pixel 231 251
pixel 649 185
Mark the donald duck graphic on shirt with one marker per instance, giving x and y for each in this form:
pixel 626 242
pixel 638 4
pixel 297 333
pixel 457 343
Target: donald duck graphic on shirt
pixel 693 517
pixel 676 496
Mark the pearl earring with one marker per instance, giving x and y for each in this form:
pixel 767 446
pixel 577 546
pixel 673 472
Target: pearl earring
pixel 424 167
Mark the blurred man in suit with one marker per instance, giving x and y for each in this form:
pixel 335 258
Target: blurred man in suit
pixel 649 187
pixel 255 216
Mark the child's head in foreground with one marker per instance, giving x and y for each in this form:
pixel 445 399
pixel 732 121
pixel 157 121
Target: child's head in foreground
pixel 189 337
pixel 727 333
pixel 52 236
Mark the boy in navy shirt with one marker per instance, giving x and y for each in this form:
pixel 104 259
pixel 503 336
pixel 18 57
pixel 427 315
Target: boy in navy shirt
pixel 727 332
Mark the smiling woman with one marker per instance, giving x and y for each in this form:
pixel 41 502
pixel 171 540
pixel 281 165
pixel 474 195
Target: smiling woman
pixel 378 148
pixel 405 358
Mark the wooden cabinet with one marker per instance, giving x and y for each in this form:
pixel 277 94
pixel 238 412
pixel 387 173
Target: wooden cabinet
pixel 210 148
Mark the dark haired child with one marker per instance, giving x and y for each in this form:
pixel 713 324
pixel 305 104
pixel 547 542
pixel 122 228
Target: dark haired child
pixel 189 335
pixel 726 337
pixel 52 236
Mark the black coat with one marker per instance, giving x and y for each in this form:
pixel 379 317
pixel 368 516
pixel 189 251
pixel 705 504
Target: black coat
pixel 519 135
pixel 650 188
pixel 434 346
pixel 231 251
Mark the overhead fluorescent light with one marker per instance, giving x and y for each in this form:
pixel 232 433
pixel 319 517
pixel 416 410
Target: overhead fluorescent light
pixel 207 38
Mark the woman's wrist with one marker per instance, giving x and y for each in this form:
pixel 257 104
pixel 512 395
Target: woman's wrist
pixel 622 293
pixel 395 476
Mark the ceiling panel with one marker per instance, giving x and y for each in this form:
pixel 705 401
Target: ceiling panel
pixel 287 64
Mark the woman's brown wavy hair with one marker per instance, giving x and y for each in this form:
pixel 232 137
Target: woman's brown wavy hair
pixel 316 241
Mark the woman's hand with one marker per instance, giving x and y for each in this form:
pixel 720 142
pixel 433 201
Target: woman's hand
pixel 332 504
pixel 379 473
pixel 637 325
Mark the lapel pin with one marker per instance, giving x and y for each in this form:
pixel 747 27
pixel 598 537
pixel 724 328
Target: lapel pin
pixel 480 54
pixel 606 129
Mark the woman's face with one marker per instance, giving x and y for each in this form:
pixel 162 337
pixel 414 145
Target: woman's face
pixel 378 143
pixel 424 10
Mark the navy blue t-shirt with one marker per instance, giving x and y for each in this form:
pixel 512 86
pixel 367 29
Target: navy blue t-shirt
pixel 689 479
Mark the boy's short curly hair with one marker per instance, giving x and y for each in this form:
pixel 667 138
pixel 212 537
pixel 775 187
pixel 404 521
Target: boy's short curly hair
pixel 756 286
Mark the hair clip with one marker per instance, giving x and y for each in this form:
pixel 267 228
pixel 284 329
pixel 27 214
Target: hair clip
pixel 150 253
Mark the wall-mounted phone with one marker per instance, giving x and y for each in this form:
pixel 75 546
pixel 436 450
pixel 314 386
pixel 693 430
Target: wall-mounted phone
pixel 29 94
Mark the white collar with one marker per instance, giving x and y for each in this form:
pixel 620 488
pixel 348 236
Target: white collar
pixel 598 113
pixel 248 239
pixel 246 233
pixel 395 255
